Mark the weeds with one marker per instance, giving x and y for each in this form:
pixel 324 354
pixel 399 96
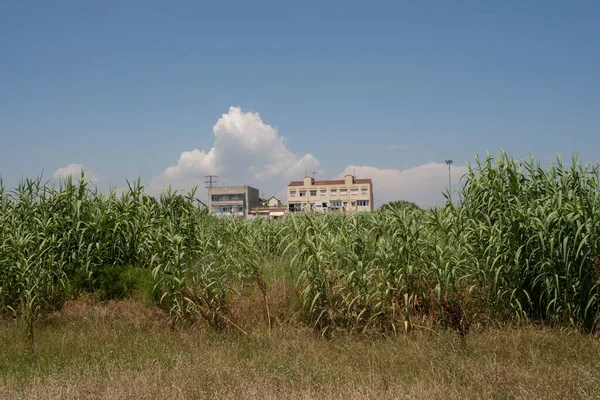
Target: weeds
pixel 520 244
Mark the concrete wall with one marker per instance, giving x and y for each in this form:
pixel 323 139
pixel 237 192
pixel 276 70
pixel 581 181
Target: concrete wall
pixel 252 197
pixel 217 190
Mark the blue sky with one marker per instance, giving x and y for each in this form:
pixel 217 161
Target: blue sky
pixel 126 88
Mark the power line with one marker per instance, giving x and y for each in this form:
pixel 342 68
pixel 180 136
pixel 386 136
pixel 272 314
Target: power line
pixel 211 180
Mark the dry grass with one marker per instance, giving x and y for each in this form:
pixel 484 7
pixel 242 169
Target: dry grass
pixel 124 350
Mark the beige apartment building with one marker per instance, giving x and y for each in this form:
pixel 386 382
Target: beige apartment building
pixel 348 194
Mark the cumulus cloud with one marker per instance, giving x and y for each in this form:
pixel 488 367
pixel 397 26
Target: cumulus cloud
pixel 245 151
pixel 422 185
pixel 74 170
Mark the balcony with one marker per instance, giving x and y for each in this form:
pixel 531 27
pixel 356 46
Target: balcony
pixel 228 213
pixel 228 202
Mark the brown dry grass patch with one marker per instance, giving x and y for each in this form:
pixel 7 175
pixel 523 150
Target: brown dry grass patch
pixel 124 350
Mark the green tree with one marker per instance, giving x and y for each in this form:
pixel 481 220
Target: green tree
pixel 398 205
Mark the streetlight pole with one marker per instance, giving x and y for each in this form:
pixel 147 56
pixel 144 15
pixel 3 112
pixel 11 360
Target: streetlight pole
pixel 449 162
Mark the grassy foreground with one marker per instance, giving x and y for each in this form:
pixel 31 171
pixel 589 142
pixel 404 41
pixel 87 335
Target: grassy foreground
pixel 125 349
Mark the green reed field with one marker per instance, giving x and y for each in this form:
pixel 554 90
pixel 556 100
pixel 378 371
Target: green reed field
pixel 518 246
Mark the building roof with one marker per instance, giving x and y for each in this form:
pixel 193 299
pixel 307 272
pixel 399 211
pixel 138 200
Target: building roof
pixel 332 182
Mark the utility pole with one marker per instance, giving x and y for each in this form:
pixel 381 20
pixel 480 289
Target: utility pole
pixel 449 162
pixel 211 180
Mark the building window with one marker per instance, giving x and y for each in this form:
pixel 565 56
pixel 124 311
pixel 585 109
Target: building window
pixel 335 203
pixel 343 192
pixel 293 193
pixel 313 192
pixel 333 192
pixel 353 204
pixel 323 192
pixel 354 192
pixel 362 203
pixel 303 193
pixel 363 191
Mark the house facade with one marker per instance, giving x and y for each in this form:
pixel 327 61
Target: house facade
pixel 271 209
pixel 348 194
pixel 232 201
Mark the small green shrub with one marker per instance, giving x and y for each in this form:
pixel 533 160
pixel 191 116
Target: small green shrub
pixel 112 282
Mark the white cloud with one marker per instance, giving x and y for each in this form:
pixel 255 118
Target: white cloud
pixel 423 184
pixel 245 151
pixel 248 151
pixel 74 170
